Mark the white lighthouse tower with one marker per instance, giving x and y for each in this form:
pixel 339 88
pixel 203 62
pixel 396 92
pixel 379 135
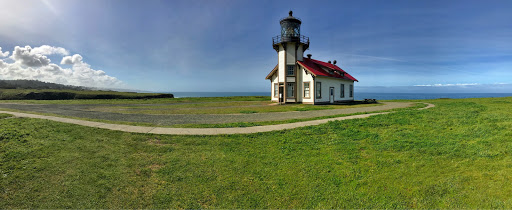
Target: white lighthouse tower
pixel 290 46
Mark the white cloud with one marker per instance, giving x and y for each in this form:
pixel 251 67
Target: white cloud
pixel 448 85
pixel 24 56
pixel 75 59
pixel 31 63
pixel 50 50
pixel 2 64
pixel 3 54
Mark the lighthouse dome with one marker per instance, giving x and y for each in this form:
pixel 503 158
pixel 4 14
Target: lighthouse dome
pixel 290 26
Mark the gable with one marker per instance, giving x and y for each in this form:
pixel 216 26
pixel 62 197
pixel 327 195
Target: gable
pixel 274 70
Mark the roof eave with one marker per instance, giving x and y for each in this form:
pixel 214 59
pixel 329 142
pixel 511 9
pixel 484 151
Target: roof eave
pixel 303 66
pixel 269 76
pixel 337 78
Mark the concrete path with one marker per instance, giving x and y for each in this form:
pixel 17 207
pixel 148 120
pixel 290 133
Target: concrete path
pixel 83 111
pixel 194 131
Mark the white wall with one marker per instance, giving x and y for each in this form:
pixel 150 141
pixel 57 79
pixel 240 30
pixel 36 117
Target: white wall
pixel 306 77
pixel 336 83
pixel 273 80
pixel 281 65
pixel 300 53
pixel 298 84
pixel 290 53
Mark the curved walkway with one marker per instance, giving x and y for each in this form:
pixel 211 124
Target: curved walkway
pixel 81 111
pixel 195 131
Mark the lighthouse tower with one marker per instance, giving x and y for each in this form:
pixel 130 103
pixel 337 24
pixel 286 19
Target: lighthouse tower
pixel 290 47
pixel 299 79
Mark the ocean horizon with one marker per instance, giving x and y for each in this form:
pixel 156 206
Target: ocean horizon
pixel 358 96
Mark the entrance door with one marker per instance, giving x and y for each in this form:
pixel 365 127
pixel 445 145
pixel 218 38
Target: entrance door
pixel 331 95
pixel 281 94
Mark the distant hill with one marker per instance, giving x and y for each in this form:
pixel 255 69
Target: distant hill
pixel 37 90
pixel 35 84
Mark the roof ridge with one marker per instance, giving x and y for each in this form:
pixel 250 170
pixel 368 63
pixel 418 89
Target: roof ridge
pixel 317 69
pixel 328 65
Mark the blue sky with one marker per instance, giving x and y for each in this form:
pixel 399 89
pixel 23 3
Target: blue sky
pixel 226 45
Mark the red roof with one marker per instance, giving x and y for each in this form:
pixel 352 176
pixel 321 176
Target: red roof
pixel 315 67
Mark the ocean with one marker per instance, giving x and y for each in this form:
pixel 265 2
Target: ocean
pixel 358 96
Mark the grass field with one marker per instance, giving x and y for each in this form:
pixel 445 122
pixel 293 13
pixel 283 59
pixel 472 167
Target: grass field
pixel 275 122
pixel 228 107
pixel 221 125
pixel 456 155
pixel 2 115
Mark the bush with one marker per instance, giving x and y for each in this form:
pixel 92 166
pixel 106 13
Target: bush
pixel 49 96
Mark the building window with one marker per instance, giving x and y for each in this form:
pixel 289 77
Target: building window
pixel 306 90
pixel 290 70
pixel 351 91
pixel 276 90
pixel 290 89
pixel 318 89
pixel 342 91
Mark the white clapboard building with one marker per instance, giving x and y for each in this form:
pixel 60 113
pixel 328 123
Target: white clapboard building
pixel 299 79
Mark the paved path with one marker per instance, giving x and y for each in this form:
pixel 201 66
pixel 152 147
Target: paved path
pixel 82 111
pixel 195 131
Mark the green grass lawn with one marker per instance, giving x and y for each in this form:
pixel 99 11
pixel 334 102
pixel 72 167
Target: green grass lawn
pixel 221 125
pixel 2 115
pixel 226 125
pixel 275 122
pixel 456 155
pixel 228 107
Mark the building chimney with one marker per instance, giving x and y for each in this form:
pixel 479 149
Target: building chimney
pixel 328 61
pixel 334 62
pixel 309 56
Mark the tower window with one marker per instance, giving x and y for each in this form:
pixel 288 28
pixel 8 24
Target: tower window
pixel 290 29
pixel 290 70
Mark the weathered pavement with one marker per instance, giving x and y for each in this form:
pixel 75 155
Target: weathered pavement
pixel 195 131
pixel 81 111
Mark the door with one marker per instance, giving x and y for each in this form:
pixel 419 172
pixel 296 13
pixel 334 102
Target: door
pixel 331 95
pixel 281 95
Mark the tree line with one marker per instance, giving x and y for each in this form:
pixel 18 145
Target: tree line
pixel 36 84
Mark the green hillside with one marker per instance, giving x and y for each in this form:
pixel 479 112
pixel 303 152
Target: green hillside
pixel 53 94
pixel 455 155
pixel 37 90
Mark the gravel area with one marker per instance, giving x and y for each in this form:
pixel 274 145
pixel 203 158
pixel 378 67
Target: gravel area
pixel 79 111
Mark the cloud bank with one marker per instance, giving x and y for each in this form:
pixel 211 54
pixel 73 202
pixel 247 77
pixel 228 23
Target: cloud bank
pixel 49 50
pixel 33 63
